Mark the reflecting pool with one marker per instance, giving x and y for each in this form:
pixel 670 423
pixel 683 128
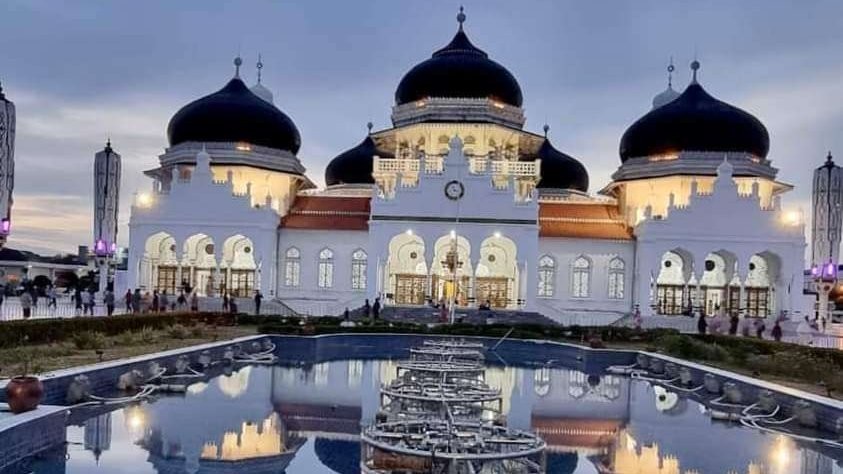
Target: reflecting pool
pixel 307 419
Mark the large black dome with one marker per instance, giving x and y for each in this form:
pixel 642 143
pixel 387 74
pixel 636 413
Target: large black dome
pixel 695 121
pixel 354 166
pixel 560 171
pixel 459 70
pixel 234 114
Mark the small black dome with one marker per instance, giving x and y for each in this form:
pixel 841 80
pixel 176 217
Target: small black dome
pixel 354 166
pixel 459 70
pixel 695 121
pixel 560 171
pixel 234 114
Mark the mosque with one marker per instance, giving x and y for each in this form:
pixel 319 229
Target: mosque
pixel 458 203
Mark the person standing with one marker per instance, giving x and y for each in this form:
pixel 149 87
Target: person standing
pixel 51 297
pixel 194 302
pixel 733 324
pixel 26 304
pixel 759 328
pixel 258 299
pixel 376 308
pixel 155 301
pixel 777 332
pixel 108 299
pixel 367 309
pixel 702 324
pixel 77 301
pixel 136 301
pixel 163 301
pixel 181 301
pixel 128 300
pixel 87 303
pixel 636 318
pixel 226 302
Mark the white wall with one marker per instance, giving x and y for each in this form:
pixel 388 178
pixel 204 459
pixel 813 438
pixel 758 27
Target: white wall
pixel 597 307
pixel 308 298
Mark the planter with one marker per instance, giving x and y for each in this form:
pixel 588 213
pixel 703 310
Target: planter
pixel 24 394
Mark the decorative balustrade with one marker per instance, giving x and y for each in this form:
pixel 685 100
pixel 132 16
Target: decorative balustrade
pixel 434 164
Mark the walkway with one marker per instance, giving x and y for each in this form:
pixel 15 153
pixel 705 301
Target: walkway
pixel 11 310
pixel 831 339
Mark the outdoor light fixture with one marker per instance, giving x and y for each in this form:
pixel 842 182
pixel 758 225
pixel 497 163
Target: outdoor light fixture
pixel 453 234
pixel 409 232
pixel 144 200
pixel 792 218
pixel 497 235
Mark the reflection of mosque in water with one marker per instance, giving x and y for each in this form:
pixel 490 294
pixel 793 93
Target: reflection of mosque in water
pixel 256 419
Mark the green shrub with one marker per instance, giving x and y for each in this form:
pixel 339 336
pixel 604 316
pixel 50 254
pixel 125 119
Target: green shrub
pixel 128 338
pixel 148 335
pixel 41 331
pixel 89 340
pixel 177 331
pixel 197 332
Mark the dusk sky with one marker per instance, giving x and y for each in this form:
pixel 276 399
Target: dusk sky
pixel 80 71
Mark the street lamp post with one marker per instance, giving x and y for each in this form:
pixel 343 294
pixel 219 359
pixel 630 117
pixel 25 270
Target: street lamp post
pixel 825 278
pixel 7 164
pixel 106 207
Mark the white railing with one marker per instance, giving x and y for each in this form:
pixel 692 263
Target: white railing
pixel 434 164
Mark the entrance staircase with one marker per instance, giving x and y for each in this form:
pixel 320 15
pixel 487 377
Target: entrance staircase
pixel 427 315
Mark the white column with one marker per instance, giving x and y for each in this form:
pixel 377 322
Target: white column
pixel 521 291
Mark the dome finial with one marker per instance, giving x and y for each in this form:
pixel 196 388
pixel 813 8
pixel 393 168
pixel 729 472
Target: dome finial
pixel 238 61
pixel 670 69
pixel 461 17
pixel 369 126
pixel 829 158
pixel 108 142
pixel 695 66
pixel 259 66
pixel 546 129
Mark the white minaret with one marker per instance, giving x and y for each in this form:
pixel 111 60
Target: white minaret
pixel 7 164
pixel 827 214
pixel 106 207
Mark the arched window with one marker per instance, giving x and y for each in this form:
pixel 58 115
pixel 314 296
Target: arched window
pixel 358 270
pixel 616 278
pixel 326 269
pixel 580 278
pixel 292 267
pixel 547 276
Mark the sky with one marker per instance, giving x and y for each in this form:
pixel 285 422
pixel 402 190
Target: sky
pixel 81 71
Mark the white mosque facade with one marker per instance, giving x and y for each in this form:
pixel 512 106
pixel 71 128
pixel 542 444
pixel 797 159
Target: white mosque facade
pixel 458 202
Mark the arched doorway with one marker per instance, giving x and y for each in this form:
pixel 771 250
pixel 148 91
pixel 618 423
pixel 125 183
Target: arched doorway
pixel 407 270
pixel 672 296
pixel 496 273
pixel 199 261
pixel 759 285
pixel 159 266
pixel 719 286
pixel 451 269
pixel 238 262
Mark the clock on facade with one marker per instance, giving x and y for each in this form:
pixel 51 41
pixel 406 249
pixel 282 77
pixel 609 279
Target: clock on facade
pixel 454 190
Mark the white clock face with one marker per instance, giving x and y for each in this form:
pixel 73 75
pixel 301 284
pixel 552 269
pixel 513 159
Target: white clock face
pixel 454 190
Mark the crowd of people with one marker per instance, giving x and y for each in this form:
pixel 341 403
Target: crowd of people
pixel 82 298
pixel 187 300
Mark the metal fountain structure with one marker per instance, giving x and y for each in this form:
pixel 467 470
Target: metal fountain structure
pixel 439 416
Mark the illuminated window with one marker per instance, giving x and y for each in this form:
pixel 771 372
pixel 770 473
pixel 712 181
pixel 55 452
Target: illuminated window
pixel 547 276
pixel 580 277
pixel 326 269
pixel 358 270
pixel 616 278
pixel 292 267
